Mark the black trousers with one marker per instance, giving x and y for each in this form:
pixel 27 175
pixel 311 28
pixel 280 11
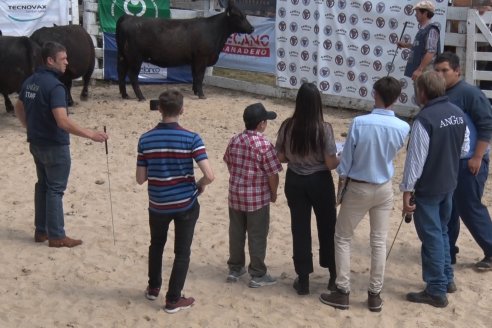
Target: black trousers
pixel 184 227
pixel 305 192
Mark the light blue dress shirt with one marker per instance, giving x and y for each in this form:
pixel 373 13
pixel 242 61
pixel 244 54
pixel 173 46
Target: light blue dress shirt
pixel 372 142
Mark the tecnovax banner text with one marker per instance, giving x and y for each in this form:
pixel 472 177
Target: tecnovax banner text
pixel 344 46
pixel 22 18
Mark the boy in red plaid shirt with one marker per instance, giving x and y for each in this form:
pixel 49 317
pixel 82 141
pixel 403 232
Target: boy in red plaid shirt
pixel 253 167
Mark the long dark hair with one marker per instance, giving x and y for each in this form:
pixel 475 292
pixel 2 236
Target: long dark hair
pixel 307 123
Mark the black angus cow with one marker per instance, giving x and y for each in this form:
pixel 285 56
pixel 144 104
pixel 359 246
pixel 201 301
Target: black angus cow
pixel 174 42
pixel 80 54
pixel 19 57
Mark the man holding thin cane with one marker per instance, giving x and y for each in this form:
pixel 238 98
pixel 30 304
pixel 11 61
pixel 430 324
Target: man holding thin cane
pixel 438 132
pixel 42 110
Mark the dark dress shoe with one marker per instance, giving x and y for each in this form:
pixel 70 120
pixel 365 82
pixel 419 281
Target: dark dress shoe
pixel 64 242
pixel 425 298
pixel 301 286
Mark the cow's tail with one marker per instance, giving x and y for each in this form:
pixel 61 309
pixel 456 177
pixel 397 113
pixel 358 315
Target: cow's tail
pixel 121 37
pixel 33 53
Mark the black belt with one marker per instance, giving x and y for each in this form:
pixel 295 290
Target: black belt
pixel 358 181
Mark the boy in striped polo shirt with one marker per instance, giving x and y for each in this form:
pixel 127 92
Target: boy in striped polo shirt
pixel 165 161
pixel 253 166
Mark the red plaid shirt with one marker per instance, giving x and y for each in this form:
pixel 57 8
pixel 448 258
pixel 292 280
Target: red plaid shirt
pixel 251 159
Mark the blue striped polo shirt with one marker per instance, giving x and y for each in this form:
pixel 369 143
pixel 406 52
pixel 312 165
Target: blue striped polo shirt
pixel 168 151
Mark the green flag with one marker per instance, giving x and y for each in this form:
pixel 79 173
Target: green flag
pixel 111 10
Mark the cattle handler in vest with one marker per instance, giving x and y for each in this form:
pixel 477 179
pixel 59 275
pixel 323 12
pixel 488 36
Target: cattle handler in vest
pixel 426 45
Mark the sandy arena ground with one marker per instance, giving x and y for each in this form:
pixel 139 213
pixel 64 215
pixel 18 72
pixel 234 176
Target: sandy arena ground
pixel 101 284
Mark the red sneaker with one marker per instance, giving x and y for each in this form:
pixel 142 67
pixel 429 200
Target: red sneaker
pixel 181 304
pixel 152 293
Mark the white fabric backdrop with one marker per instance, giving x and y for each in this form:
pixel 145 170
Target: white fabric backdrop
pixel 22 18
pixel 344 46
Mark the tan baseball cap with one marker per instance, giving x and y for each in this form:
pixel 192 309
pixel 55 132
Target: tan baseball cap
pixel 425 4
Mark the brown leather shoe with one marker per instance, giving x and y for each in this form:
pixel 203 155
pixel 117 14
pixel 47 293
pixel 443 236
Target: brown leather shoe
pixel 64 242
pixel 40 237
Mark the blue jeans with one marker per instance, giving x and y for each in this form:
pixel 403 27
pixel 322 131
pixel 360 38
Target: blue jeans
pixel 52 168
pixel 431 219
pixel 467 204
pixel 184 228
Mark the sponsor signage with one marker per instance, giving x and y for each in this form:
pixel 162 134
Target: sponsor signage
pixel 345 46
pixel 22 18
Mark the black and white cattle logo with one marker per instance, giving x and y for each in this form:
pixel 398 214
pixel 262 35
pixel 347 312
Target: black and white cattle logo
pixel 354 19
pixel 337 87
pixel 390 67
pixel 393 23
pixel 377 65
pixel 327 44
pixel 407 38
pixel 342 4
pixel 306 2
pixel 380 22
pixel 378 51
pixel 403 98
pixel 365 49
pixel 408 10
pixel 405 53
pixel 293 40
pixel 282 26
pixel 281 52
pixel 342 18
pixel 330 3
pixel 328 30
pixel 339 60
pixel 324 72
pixel 393 38
pixel 304 41
pixel 315 70
pixel 316 29
pixel 295 2
pixel 363 92
pixel 293 81
pixel 354 33
pixel 339 46
pixel 350 61
pixel 403 83
pixel 292 67
pixel 306 14
pixel 316 14
pixel 363 77
pixel 315 56
pixel 293 27
pixel 305 55
pixel 366 35
pixel 324 85
pixel 380 7
pixel 350 75
pixel 367 6
pixel 281 12
pixel 281 66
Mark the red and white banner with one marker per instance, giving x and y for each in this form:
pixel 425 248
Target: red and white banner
pixel 344 46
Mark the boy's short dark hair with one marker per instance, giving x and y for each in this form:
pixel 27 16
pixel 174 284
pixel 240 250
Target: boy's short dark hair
pixel 171 102
pixel 388 88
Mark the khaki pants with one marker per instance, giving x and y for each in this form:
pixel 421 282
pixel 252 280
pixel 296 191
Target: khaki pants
pixel 359 199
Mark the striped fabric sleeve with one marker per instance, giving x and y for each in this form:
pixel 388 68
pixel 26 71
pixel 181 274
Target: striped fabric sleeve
pixel 198 151
pixel 417 152
pixel 433 37
pixel 141 160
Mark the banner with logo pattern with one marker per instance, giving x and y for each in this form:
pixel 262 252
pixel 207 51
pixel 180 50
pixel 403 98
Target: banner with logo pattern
pixel 344 46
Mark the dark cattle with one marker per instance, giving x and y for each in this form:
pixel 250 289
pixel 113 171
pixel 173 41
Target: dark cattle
pixel 19 57
pixel 80 53
pixel 175 42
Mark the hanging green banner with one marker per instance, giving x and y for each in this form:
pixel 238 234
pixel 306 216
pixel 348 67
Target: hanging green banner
pixel 111 10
